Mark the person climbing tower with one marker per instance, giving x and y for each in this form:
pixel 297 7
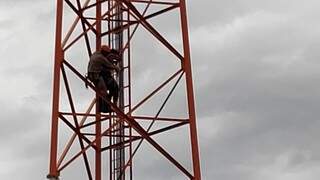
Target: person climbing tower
pixel 102 65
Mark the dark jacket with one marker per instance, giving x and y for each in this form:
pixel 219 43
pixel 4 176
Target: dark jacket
pixel 98 62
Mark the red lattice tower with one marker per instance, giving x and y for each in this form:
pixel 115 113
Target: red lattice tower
pixel 108 142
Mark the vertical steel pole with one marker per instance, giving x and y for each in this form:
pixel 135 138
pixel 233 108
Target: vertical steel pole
pixel 110 119
pixel 129 93
pixel 118 45
pixel 98 117
pixel 190 93
pixel 54 174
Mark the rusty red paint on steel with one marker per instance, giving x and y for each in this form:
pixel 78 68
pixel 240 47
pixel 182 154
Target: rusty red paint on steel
pixel 190 93
pixel 98 115
pixel 53 172
pixel 133 123
pixel 134 18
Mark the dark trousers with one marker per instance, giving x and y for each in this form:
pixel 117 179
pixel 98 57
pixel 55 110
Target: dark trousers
pixel 112 88
pixel 108 86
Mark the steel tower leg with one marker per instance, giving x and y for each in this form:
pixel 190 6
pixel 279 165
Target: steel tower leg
pixel 98 117
pixel 190 93
pixel 54 174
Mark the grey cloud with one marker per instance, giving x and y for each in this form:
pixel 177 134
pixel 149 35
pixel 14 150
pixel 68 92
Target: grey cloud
pixel 255 74
pixel 261 97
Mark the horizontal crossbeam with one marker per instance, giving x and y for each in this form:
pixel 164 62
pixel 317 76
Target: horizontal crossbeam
pixel 150 134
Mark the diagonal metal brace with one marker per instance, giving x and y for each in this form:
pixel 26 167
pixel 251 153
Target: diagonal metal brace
pixel 151 29
pixel 135 125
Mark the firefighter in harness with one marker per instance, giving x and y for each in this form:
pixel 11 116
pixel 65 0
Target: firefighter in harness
pixel 102 65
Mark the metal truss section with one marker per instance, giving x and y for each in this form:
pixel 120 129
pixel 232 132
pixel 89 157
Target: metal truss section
pixel 106 143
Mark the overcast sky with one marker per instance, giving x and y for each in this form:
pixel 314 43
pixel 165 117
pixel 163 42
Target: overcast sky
pixel 256 75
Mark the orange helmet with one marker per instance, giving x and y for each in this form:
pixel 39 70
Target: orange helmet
pixel 105 48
